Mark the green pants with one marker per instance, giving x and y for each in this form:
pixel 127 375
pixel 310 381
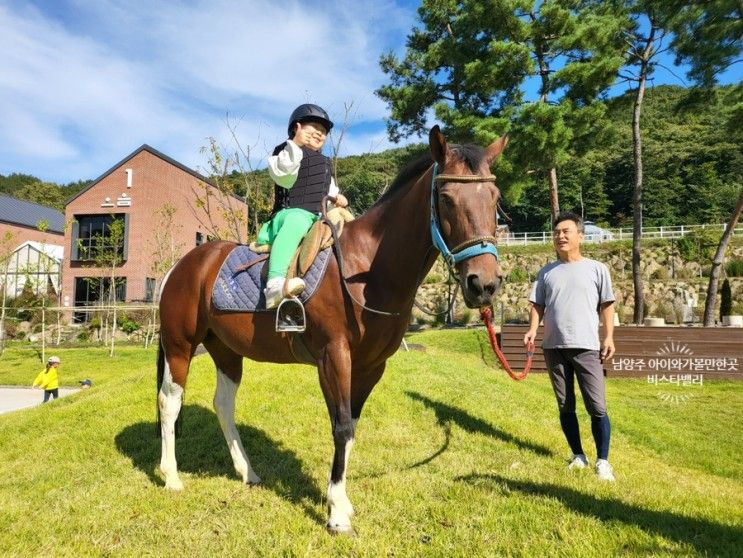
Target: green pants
pixel 284 233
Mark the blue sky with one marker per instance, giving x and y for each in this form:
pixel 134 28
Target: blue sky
pixel 85 82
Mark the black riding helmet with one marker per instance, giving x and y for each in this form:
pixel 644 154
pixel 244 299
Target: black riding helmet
pixel 309 113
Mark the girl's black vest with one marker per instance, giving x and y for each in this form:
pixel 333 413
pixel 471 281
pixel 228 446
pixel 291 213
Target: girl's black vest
pixel 312 185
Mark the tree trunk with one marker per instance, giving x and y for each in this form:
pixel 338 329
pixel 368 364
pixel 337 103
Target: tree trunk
pixel 543 96
pixel 113 303
pixel 639 312
pixel 554 201
pixel 43 331
pixel 2 310
pixel 714 276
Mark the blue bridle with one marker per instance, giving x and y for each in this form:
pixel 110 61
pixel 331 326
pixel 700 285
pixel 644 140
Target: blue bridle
pixel 465 250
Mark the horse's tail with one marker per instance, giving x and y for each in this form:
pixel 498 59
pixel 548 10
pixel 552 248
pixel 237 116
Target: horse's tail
pixel 160 377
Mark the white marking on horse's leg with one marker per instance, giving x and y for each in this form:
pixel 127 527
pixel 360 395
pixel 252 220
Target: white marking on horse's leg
pixel 224 405
pixel 169 399
pixel 339 505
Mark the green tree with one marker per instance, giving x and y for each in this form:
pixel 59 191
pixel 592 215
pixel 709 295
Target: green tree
pixel 696 30
pixel 14 182
pixel 707 36
pixel 471 62
pixel 714 275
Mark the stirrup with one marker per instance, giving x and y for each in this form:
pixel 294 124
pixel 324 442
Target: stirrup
pixel 290 316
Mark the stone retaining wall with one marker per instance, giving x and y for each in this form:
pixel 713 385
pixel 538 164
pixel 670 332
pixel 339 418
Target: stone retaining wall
pixel 670 283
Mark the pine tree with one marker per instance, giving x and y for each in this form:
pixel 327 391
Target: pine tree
pixel 472 63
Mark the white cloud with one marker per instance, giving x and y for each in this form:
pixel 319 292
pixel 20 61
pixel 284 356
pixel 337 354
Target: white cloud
pixel 95 79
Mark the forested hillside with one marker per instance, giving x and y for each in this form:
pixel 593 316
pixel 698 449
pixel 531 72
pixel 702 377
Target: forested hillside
pixel 693 169
pixel 693 165
pixel 27 187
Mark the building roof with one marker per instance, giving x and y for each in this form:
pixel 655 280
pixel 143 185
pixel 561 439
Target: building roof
pixel 28 214
pixel 52 250
pixel 144 147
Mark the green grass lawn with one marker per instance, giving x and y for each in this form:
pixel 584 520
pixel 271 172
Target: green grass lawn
pixel 452 458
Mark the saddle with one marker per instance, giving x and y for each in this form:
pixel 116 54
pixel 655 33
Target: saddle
pixel 317 239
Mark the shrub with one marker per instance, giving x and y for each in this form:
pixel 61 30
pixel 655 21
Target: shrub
pixel 129 326
pixel 432 278
pixel 699 244
pixel 734 268
pixel 660 273
pixel 726 299
pixel 518 275
pixel 83 335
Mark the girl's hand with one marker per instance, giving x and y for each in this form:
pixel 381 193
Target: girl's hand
pixel 341 201
pixel 301 136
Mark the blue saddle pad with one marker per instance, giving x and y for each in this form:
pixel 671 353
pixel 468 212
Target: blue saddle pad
pixel 242 291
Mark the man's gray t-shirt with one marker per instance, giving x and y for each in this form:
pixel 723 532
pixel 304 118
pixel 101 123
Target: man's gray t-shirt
pixel 571 294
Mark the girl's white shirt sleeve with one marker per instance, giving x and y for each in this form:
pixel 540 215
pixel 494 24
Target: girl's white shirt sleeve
pixel 284 168
pixel 333 189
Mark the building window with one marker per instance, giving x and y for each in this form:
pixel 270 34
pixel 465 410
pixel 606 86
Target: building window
pixel 93 293
pixel 149 289
pixel 199 239
pixel 92 237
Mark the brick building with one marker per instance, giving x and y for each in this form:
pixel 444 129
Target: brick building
pixel 155 199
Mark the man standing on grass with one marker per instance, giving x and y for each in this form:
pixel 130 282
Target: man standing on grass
pixel 569 294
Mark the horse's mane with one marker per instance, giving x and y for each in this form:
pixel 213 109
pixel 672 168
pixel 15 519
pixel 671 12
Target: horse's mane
pixel 470 154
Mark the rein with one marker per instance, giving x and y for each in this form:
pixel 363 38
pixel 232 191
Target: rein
pixel 486 314
pixel 339 257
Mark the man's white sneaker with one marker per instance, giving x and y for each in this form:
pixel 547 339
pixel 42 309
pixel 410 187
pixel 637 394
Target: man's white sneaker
pixel 579 461
pixel 278 288
pixel 604 471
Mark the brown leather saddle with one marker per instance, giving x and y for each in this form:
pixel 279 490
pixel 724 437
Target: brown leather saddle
pixel 318 238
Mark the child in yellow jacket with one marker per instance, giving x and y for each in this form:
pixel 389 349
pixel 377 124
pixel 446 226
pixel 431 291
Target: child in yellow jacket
pixel 48 379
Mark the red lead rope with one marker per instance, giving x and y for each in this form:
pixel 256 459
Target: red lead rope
pixel 486 314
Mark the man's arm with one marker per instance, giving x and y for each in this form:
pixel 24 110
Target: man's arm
pixel 607 316
pixel 535 317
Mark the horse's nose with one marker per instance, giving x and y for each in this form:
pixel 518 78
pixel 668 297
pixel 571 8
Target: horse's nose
pixel 480 289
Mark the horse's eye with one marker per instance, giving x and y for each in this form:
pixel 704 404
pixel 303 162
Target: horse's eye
pixel 448 200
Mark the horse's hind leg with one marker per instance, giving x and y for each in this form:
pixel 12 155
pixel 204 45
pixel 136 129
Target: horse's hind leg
pixel 229 374
pixel 172 371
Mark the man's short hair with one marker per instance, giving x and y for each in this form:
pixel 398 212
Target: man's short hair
pixel 569 216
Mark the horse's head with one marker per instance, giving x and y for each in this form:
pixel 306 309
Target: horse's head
pixel 465 199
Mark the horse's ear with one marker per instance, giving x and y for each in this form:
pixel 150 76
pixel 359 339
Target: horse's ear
pixel 495 149
pixel 437 143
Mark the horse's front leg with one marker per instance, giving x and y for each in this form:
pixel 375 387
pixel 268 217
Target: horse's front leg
pixel 334 369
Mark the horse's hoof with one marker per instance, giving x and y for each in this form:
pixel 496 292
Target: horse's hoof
pixel 254 482
pixel 345 530
pixel 174 485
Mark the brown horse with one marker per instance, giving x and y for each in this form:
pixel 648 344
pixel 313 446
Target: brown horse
pixel 387 252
